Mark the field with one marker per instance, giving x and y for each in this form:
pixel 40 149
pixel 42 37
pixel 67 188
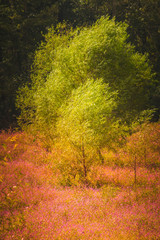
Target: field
pixel 118 201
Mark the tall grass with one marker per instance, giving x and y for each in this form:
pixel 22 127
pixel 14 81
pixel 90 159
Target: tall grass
pixel 36 204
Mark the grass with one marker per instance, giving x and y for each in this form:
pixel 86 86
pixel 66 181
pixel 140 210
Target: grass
pixel 35 205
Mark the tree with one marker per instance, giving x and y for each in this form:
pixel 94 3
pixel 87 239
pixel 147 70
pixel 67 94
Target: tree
pixel 86 83
pixel 86 12
pixel 68 59
pixel 22 24
pixel 42 111
pixel 86 119
pixel 143 18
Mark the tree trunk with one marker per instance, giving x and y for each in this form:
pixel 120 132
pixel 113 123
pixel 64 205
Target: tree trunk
pixel 113 8
pixel 135 171
pixel 84 161
pixel 100 156
pixel 135 176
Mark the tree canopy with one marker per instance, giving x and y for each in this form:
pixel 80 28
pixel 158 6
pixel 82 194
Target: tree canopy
pixel 68 68
pixel 25 23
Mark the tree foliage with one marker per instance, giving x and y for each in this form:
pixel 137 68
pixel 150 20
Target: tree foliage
pixel 21 26
pixel 23 22
pixel 68 58
pixel 143 145
pixel 86 83
pixel 86 118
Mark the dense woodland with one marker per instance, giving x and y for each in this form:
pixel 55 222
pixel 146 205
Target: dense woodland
pixel 24 23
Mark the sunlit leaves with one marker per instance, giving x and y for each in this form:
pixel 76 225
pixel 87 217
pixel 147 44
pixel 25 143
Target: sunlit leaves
pixel 64 66
pixel 87 117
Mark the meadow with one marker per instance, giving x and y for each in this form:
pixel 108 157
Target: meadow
pixel 41 201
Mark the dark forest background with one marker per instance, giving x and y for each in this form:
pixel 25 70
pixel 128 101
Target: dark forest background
pixel 23 24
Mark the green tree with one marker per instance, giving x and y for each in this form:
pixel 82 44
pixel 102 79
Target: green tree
pixel 36 100
pixel 21 25
pixel 86 12
pixel 65 62
pixel 86 119
pixel 143 18
pixel 102 51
